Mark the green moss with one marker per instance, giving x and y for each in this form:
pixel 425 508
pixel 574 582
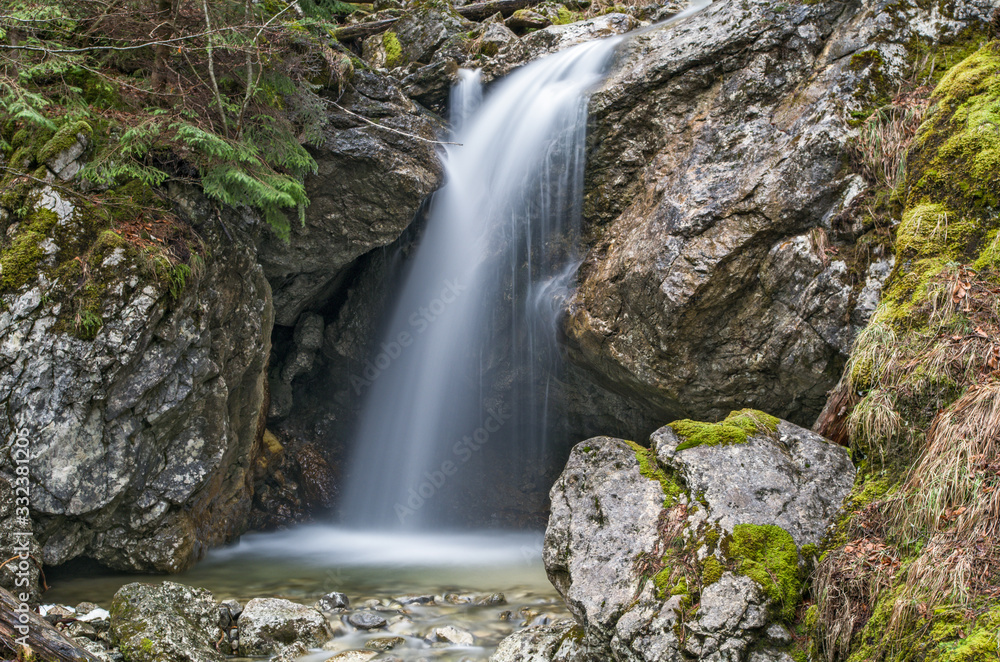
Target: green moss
pixel 661 582
pixel 650 467
pixel 768 555
pixel 947 636
pixel 711 571
pixel 393 49
pixel 735 429
pixel 63 139
pixel 957 157
pixel 932 229
pixel 681 587
pixel 565 16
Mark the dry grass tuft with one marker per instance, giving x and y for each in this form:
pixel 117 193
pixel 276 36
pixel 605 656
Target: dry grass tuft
pixel 955 487
pixel 884 138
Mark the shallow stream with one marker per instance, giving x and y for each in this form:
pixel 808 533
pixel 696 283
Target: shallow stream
pixel 303 564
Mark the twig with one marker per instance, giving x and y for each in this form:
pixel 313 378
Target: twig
pixel 389 128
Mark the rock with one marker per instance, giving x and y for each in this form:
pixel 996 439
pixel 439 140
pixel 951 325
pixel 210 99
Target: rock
pixel 289 652
pixel 792 478
pixel 267 623
pixel 430 85
pixel 626 527
pixel 367 620
pixel 421 31
pixel 391 174
pixel 17 539
pixel 490 600
pixel 512 53
pixel 384 643
pixel 547 643
pixel 151 623
pixel 721 144
pixel 332 601
pixel 452 635
pixel 527 19
pixel 415 600
pixel 161 398
pixel 80 629
pixel 354 656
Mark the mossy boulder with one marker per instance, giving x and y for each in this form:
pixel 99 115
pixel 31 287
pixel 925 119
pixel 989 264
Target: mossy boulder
pixel 165 623
pixel 691 553
pixel 759 470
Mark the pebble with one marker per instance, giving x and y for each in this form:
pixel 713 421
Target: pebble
pixel 332 601
pixel 353 656
pixel 366 620
pixel 384 643
pixel 415 599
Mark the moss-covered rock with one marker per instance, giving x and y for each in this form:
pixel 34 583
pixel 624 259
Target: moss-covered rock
pixel 165 623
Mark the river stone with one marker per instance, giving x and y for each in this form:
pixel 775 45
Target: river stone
pixel 267 623
pixel 793 478
pixel 332 601
pixel 152 623
pixel 545 643
pixel 367 620
pixel 452 635
pixel 353 656
pixel 604 514
pixel 384 643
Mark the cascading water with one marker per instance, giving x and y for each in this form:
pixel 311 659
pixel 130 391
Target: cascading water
pixel 469 355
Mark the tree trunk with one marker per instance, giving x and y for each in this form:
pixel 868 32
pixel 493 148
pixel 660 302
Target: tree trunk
pixel 479 11
pixel 44 641
pixel 164 30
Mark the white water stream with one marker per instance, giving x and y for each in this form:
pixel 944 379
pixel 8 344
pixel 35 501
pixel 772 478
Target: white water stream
pixel 470 353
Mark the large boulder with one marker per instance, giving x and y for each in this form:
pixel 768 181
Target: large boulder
pixel 151 623
pixel 657 562
pixel 723 265
pixel 370 184
pixel 138 382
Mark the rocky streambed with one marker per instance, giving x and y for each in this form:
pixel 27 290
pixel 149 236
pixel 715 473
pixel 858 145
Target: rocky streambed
pixel 322 592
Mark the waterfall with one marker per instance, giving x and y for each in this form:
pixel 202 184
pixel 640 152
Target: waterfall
pixel 469 357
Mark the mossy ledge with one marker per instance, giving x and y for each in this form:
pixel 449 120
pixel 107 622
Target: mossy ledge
pixel 736 428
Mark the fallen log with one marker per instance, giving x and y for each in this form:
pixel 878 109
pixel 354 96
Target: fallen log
pixel 24 627
pixel 361 30
pixel 477 11
pixel 480 11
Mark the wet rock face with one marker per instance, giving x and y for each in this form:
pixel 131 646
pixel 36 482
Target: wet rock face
pixel 717 275
pixel 140 437
pixel 370 185
pixel 626 530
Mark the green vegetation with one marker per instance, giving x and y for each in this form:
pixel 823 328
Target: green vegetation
pixel 768 555
pixel 905 575
pixel 735 429
pixel 229 101
pixel 393 49
pixel 650 467
pixel 711 571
